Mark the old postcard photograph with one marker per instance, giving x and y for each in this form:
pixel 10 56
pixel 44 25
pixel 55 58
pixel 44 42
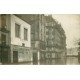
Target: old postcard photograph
pixel 40 39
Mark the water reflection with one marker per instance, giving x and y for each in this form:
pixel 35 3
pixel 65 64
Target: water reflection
pixel 72 61
pixel 63 61
pixel 53 62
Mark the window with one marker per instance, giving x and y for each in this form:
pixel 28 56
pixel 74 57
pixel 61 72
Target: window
pixel 17 30
pixel 36 35
pixel 25 34
pixel 47 32
pixel 23 44
pixel 3 20
pixel 32 37
pixel 3 39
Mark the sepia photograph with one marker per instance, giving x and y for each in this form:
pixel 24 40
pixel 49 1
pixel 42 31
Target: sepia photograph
pixel 39 39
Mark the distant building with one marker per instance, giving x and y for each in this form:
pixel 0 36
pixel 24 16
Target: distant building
pixel 16 39
pixel 72 51
pixel 79 51
pixel 55 39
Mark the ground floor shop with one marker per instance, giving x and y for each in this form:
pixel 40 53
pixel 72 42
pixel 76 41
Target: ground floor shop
pixel 20 54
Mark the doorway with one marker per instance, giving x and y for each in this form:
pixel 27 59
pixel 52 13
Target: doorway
pixel 4 56
pixel 35 58
pixel 15 56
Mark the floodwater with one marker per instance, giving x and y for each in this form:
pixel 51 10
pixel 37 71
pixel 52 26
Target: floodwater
pixel 72 61
pixel 67 61
pixel 64 61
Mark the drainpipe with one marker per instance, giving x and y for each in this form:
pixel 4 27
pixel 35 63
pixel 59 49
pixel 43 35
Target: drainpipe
pixel 38 57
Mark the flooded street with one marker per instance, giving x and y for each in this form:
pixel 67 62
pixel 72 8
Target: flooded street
pixel 67 61
pixel 64 61
pixel 72 61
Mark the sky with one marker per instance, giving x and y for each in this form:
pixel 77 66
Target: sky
pixel 71 26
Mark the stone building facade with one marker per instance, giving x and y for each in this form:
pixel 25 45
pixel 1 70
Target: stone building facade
pixel 37 23
pixel 4 39
pixel 17 40
pixel 48 38
pixel 55 39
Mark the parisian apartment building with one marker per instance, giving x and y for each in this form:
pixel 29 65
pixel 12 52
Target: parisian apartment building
pixel 48 38
pixel 55 39
pixel 15 40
